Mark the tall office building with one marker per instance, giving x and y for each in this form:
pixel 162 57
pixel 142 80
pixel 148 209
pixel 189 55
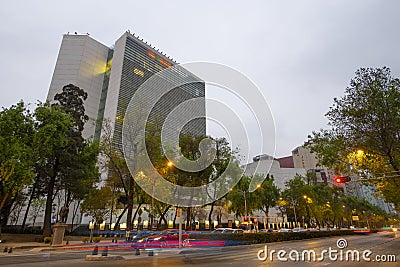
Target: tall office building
pixel 81 61
pixel 111 76
pixel 133 63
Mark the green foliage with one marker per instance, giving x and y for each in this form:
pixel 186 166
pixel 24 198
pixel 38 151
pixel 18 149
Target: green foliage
pixel 36 209
pixel 71 99
pixel 240 195
pixel 52 126
pixel 366 118
pixel 17 152
pixel 257 238
pixel 66 161
pixel 47 240
pixel 321 205
pixel 266 195
pixel 96 239
pixel 98 203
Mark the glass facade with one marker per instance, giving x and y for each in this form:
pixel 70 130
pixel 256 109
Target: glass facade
pixel 103 97
pixel 140 62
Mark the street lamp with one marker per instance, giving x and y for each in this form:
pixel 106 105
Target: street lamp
pixel 169 165
pixel 91 228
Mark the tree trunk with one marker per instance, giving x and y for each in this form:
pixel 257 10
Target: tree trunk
pixel 135 214
pixel 162 216
pixel 130 203
pixel 188 218
pixel 176 212
pixel 49 206
pixel 28 206
pixel 74 212
pixel 210 216
pixel 119 218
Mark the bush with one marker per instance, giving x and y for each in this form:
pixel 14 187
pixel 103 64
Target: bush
pixel 96 239
pixel 85 239
pixel 16 229
pixel 47 240
pixel 256 238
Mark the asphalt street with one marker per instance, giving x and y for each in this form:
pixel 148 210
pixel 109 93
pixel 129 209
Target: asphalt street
pixel 381 248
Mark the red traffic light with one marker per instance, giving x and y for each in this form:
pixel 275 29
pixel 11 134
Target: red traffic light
pixel 342 179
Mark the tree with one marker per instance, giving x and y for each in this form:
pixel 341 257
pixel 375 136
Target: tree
pixel 79 159
pixel 50 139
pixel 242 202
pixel 37 209
pixel 224 154
pixel 113 163
pixel 16 154
pixel 366 118
pixel 266 195
pixel 68 162
pixel 98 203
pixel 294 192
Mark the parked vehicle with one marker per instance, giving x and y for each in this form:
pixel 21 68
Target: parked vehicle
pixel 298 229
pixel 247 227
pixel 284 230
pixel 266 230
pixel 324 229
pixel 227 231
pixel 219 230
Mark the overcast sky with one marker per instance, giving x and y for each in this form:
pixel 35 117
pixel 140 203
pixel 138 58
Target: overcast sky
pixel 301 54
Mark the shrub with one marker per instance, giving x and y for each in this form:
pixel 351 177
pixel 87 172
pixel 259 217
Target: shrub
pixel 47 240
pixel 96 239
pixel 256 238
pixel 85 239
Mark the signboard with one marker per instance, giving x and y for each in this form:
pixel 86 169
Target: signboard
pixel 355 218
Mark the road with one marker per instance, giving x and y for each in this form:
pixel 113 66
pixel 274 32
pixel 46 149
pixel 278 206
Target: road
pixel 379 245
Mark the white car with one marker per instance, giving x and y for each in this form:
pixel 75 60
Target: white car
pixel 299 229
pixel 284 230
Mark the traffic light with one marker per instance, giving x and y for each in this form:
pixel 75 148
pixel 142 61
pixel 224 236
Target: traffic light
pixel 342 179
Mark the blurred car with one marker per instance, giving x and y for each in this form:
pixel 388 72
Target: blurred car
pixel 388 231
pixel 227 231
pixel 362 231
pixel 167 238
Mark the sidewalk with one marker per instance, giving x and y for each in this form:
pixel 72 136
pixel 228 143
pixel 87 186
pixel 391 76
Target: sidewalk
pixel 29 242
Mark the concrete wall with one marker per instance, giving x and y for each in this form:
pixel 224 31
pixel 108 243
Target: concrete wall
pixel 81 61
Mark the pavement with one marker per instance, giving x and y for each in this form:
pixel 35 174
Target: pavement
pixel 41 246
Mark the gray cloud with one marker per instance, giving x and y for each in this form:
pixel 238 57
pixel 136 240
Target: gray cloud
pixel 301 54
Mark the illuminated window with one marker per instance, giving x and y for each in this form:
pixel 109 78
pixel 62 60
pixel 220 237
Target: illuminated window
pixel 138 72
pixel 158 67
